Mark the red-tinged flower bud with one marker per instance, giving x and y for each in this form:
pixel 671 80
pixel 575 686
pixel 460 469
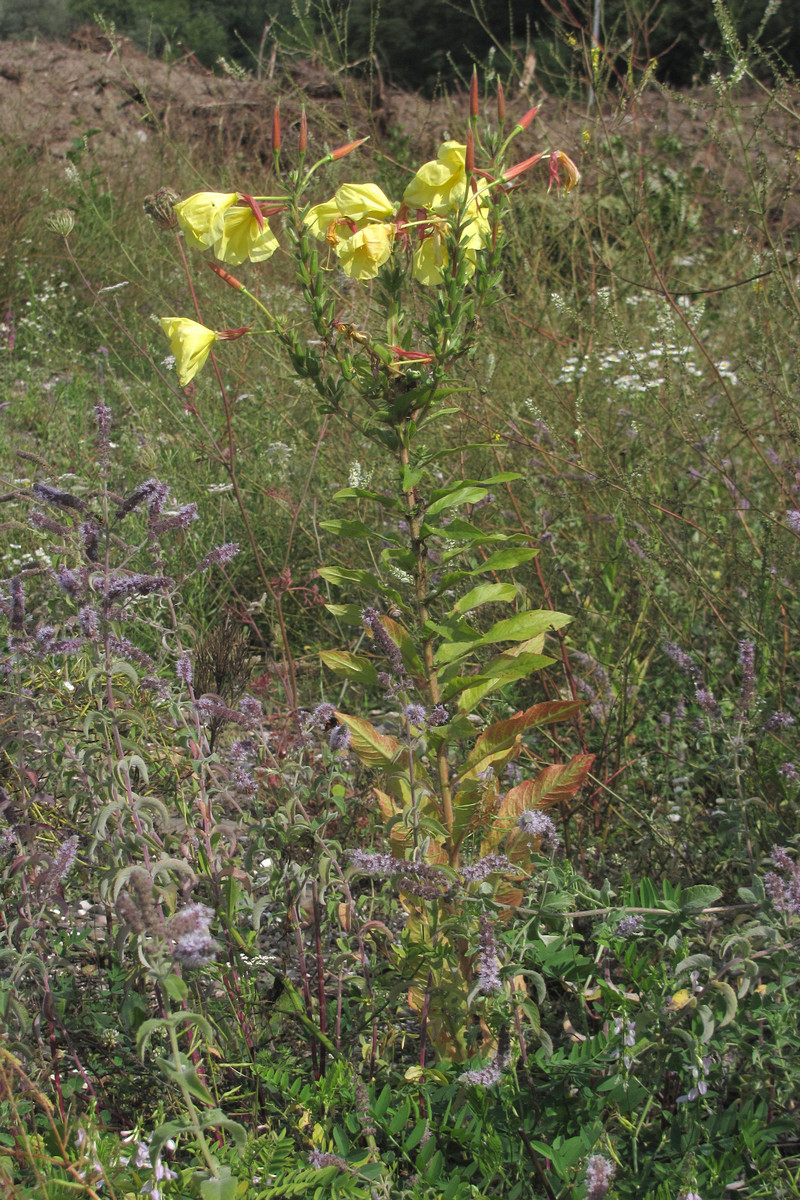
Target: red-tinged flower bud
pixel 303 139
pixel 230 335
pixel 512 172
pixel 501 103
pixel 473 96
pixel 469 157
pixel 525 121
pixel 348 148
pixel 276 129
pixel 227 277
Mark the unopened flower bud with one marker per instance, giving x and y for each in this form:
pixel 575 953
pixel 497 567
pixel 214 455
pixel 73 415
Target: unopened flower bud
pixel 469 157
pixel 159 207
pixel 348 148
pixel 501 103
pixel 473 96
pixel 276 130
pixel 303 139
pixel 525 120
pixel 226 276
pixel 62 222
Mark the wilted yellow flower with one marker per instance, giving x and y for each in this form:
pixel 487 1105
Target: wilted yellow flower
pixel 190 342
pixel 201 216
pixel 353 204
pixel 363 253
pixel 241 238
pixel 560 159
pixel 439 184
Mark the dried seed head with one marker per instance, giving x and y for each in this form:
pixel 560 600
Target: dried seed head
pixel 159 207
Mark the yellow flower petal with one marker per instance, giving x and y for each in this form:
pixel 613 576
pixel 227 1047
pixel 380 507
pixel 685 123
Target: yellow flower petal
pixel 439 184
pixel 363 202
pixel 190 342
pixel 431 258
pixel 319 217
pixel 242 239
pixel 363 254
pixel 201 216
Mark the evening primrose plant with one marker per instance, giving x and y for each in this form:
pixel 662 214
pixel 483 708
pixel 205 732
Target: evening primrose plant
pixel 445 624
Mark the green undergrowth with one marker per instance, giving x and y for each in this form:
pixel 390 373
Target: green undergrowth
pixel 626 408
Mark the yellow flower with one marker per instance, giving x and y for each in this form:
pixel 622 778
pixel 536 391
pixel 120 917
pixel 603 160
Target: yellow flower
pixel 439 184
pixel 201 216
pixel 190 342
pixel 241 238
pixel 353 204
pixel 431 258
pixel 363 254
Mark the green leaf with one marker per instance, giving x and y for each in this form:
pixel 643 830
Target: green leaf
pixel 512 629
pixel 358 493
pixel 411 477
pixel 415 1137
pixel 506 560
pixel 731 1002
pixel 350 666
pixel 700 896
pixel 454 497
pixel 459 530
pixel 176 988
pixel 187 1077
pixel 485 593
pixel 224 1188
pixel 215 1117
pixel 693 962
pixel 498 676
pixel 400 1118
pixel 342 575
pixel 349 614
pixel 353 529
pixel 383 1101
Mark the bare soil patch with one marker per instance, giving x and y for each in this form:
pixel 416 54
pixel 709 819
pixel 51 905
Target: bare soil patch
pixel 52 94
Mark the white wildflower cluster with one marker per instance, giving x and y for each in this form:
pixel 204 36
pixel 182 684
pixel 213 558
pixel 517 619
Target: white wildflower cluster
pixel 357 476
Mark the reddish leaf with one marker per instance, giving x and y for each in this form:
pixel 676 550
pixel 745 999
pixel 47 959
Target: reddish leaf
pixel 551 786
pixel 498 739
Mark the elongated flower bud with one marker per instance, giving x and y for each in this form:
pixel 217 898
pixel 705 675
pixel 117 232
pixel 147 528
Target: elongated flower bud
pixel 473 96
pixel 501 103
pixel 276 130
pixel 512 172
pixel 525 121
pixel 231 280
pixel 303 139
pixel 348 148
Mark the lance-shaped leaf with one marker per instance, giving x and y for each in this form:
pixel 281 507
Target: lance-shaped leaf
pixel 350 666
pixel 504 736
pixel 513 629
pixel 553 785
pixel 454 497
pixel 375 749
pixel 402 638
pixel 485 593
pixel 506 560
